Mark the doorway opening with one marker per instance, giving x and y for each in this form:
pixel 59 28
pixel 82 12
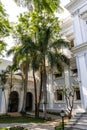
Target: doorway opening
pixel 13 102
pixel 29 101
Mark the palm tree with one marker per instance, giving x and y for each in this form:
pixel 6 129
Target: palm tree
pixel 47 5
pixel 21 57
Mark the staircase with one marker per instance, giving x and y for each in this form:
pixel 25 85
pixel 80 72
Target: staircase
pixel 79 122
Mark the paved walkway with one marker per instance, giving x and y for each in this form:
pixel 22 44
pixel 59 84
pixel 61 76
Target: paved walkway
pixel 34 126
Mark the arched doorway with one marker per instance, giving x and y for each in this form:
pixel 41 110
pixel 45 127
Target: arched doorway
pixel 29 101
pixel 13 102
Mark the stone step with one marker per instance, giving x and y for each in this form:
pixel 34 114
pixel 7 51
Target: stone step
pixel 79 122
pixel 77 126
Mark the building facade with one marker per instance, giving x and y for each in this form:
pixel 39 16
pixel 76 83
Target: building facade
pixel 78 10
pixel 11 93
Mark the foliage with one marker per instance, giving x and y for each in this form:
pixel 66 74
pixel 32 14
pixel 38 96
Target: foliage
pixel 59 127
pixel 4 23
pixel 3 77
pixel 5 28
pixel 48 5
pixel 17 128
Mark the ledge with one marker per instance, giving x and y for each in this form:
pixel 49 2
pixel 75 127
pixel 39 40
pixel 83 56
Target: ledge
pixel 79 48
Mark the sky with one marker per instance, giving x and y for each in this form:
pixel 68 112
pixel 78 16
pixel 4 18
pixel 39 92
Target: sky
pixel 13 10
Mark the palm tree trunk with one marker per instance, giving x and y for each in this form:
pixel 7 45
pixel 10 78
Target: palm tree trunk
pixel 25 87
pixel 35 91
pixel 44 83
pixel 5 100
pixel 40 92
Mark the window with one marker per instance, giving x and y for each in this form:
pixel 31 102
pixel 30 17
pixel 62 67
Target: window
pixel 74 72
pixel 59 95
pixel 58 75
pixel 77 93
pixel 72 43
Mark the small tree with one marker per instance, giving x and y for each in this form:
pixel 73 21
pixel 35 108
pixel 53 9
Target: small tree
pixel 69 97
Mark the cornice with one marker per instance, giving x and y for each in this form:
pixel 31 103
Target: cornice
pixel 71 4
pixel 79 48
pixel 75 5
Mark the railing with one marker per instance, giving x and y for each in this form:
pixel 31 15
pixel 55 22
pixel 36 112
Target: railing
pixel 74 80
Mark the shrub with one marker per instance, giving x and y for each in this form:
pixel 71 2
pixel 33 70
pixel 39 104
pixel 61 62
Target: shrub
pixel 17 128
pixel 59 127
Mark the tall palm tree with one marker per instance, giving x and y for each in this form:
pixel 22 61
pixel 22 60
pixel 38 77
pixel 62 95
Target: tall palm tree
pixel 21 57
pixel 55 58
pixel 49 44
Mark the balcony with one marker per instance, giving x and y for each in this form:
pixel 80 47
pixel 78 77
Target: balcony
pixel 74 80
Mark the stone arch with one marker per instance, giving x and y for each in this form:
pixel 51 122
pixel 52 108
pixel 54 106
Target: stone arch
pixel 13 101
pixel 29 101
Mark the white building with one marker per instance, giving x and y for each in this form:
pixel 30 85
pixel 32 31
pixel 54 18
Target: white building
pixel 74 28
pixel 78 10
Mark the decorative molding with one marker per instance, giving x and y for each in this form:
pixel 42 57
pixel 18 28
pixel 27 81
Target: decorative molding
pixel 84 15
pixel 79 48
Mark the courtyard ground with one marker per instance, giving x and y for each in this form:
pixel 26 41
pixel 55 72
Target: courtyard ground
pixel 48 125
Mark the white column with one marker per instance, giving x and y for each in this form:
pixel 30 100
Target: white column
pixel 83 29
pixel 81 63
pixel 4 101
pixel 77 29
pixel 50 94
pixel 0 96
pixel 67 76
pixel 3 105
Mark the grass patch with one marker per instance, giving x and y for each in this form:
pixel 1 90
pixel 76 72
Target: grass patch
pixel 23 119
pixel 59 127
pixel 3 128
